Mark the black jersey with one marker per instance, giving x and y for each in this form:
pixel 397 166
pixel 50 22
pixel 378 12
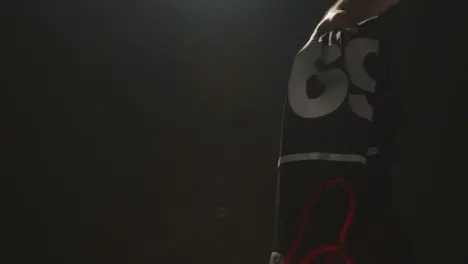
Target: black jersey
pixel 338 124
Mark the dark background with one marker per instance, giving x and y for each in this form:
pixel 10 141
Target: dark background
pixel 131 123
pixel 136 122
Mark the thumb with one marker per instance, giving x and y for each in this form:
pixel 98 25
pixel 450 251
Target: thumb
pixel 322 28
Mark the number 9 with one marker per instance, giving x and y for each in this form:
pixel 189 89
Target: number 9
pixel 335 80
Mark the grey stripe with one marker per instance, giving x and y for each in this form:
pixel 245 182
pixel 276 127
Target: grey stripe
pixel 322 156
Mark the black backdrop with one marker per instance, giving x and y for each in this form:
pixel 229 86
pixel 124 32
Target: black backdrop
pixel 133 123
pixel 136 123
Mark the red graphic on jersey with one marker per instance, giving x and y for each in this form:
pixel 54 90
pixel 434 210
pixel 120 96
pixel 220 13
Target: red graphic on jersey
pixel 332 248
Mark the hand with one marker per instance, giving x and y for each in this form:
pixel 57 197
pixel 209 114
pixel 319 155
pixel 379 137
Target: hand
pixel 335 19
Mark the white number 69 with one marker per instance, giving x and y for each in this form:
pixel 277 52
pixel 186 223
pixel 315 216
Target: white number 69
pixel 335 80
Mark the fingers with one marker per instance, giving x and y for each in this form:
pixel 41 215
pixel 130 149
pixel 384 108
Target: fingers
pixel 336 20
pixel 318 33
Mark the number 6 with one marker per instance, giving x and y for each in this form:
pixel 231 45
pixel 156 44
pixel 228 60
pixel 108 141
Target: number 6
pixel 335 81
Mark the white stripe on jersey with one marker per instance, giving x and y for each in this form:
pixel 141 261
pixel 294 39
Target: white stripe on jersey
pixel 356 158
pixel 322 156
